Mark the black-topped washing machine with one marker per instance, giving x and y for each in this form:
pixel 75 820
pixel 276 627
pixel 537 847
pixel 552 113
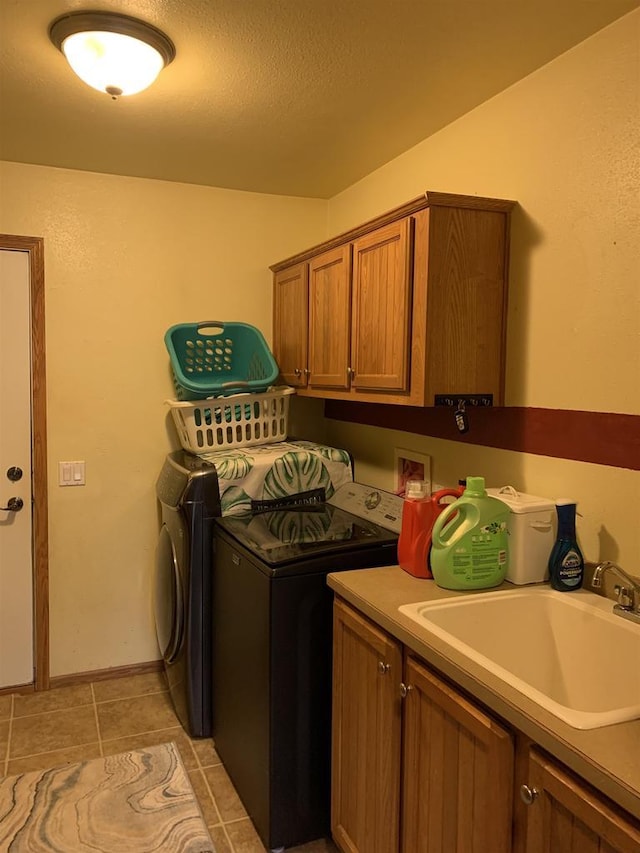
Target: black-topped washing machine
pixel 187 489
pixel 272 649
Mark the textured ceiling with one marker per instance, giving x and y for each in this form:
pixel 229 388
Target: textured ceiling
pixel 299 97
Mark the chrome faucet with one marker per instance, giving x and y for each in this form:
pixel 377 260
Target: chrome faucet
pixel 628 595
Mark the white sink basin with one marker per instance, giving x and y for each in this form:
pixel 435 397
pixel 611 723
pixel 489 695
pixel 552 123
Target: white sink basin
pixel 566 651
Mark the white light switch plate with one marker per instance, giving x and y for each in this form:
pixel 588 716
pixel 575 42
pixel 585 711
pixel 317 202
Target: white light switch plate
pixel 71 474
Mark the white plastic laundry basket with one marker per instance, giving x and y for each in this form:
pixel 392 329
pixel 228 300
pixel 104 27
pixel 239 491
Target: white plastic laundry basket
pixel 240 420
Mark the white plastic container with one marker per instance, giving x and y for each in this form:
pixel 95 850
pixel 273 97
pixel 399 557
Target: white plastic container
pixel 531 534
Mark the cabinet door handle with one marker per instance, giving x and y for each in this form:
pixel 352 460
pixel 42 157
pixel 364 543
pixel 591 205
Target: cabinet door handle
pixel 383 668
pixel 297 371
pixel 306 371
pixel 528 795
pixel 350 372
pixel 405 689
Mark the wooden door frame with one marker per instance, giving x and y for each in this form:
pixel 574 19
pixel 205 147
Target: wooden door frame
pixel 34 246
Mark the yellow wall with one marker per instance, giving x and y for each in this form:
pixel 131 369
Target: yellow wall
pixel 564 144
pixel 125 259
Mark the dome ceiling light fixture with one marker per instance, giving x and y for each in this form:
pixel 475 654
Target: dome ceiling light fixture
pixel 112 53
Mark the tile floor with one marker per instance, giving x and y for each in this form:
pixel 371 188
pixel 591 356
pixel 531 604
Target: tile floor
pixel 68 724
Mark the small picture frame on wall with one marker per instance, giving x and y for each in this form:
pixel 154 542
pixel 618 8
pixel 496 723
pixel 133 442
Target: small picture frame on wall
pixel 410 465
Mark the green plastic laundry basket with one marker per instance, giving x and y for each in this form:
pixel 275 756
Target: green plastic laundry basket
pixel 214 358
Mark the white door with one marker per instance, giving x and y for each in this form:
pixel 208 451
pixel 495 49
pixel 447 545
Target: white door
pixel 16 569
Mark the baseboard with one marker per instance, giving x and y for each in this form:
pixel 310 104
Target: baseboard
pixel 105 674
pixel 84 677
pixel 18 689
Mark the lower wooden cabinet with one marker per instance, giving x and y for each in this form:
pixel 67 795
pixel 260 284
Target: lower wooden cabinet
pixel 420 768
pixel 448 788
pixel 566 816
pixel 365 774
pixel 457 771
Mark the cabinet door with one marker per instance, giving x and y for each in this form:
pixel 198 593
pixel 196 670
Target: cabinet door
pixel 365 789
pixel 381 303
pixel 467 271
pixel 290 323
pixel 457 783
pixel 568 817
pixel 330 318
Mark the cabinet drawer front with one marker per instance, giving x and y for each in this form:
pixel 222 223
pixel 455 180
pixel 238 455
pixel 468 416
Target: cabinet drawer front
pixel 381 303
pixel 329 318
pixel 457 772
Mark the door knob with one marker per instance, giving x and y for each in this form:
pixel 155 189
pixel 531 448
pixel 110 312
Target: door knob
pixel 13 505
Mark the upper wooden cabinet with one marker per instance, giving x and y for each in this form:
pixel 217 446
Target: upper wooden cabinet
pixel 329 309
pixel 405 307
pixel 290 330
pixel 381 309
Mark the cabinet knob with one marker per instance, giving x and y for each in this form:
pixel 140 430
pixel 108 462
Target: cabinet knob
pixel 528 795
pixel 350 372
pixel 297 371
pixel 405 689
pixel 383 668
pixel 306 371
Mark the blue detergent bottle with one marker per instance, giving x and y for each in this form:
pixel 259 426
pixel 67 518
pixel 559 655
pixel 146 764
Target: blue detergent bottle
pixel 566 563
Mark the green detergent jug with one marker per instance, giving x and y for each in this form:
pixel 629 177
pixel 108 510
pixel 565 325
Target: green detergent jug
pixel 469 541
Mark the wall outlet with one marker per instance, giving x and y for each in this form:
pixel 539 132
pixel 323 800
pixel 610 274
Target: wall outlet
pixel 410 465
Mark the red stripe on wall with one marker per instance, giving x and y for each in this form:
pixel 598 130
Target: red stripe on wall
pixel 604 438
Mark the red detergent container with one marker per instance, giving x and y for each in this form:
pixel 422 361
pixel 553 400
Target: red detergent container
pixel 419 513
